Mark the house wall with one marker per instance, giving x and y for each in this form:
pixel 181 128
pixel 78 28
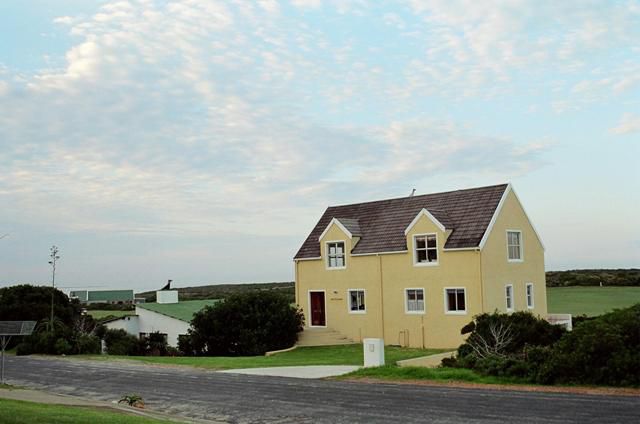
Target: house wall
pixel 435 328
pixel 130 324
pixel 360 273
pixel 497 271
pixel 385 277
pixel 150 322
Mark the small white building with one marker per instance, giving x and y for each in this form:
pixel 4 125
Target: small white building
pixel 168 316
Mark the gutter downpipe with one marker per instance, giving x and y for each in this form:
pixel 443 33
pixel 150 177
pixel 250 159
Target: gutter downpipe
pixel 381 294
pixel 295 276
pixel 481 280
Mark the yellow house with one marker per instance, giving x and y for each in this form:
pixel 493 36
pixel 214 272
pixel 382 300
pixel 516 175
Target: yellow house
pixel 413 271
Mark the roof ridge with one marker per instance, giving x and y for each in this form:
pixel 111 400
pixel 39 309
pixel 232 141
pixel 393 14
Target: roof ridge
pixel 418 196
pixel 382 222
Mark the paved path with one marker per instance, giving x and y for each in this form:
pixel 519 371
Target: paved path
pixel 240 398
pixel 313 371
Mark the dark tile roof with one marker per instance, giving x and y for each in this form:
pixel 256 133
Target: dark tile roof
pixel 382 223
pixel 353 225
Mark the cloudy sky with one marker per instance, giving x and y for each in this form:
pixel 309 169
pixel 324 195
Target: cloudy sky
pixel 202 140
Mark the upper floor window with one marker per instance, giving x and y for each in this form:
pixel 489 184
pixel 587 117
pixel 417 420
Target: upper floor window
pixel 508 293
pixel 414 301
pixel 530 295
pixel 335 254
pixel 425 249
pixel 356 301
pixel 455 301
pixel 514 245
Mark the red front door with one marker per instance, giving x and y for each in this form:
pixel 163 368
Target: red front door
pixel 317 309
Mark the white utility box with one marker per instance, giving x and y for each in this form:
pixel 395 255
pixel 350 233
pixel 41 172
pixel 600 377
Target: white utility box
pixel 373 352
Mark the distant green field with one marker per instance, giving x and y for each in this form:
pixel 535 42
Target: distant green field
pixel 102 314
pixel 590 301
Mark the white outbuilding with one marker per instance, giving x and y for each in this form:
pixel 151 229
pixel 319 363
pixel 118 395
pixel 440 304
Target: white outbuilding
pixel 167 316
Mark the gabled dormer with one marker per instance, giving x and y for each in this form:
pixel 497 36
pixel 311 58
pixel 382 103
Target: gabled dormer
pixel 337 241
pixel 426 236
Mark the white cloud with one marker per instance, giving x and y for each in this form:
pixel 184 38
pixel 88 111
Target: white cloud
pixel 629 123
pixel 484 48
pixel 307 3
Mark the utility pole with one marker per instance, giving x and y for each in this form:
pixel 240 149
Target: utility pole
pixel 54 258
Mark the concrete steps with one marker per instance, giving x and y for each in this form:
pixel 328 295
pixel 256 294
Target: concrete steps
pixel 322 337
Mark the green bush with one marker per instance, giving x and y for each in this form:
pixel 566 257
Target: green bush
pixel 524 329
pixel 602 351
pixel 184 345
pixel 47 342
pixel 62 347
pixel 605 351
pixel 245 324
pixel 155 344
pixel 87 345
pixel 119 342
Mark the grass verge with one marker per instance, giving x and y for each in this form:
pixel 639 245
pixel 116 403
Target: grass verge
pixel 21 412
pixel 590 301
pixel 317 355
pixel 392 372
pixel 461 377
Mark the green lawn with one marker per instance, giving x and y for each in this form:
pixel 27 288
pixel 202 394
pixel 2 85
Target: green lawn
pixel 103 314
pixel 590 301
pixel 20 412
pixel 320 355
pixel 392 372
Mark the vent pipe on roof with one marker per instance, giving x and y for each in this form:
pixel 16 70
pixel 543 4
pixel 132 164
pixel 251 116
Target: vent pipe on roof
pixel 412 192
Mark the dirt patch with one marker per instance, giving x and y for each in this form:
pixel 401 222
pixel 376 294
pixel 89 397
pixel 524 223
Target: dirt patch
pixel 602 391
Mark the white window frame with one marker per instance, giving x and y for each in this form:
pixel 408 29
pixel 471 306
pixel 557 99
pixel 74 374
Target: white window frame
pixel 446 301
pixel 521 259
pixel 509 298
pixel 406 301
pixel 328 258
pixel 529 296
pixel 415 250
pixel 358 311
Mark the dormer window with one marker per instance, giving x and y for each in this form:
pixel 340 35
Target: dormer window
pixel 335 255
pixel 514 246
pixel 425 249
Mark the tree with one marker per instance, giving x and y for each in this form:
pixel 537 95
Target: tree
pixel 27 302
pixel 245 324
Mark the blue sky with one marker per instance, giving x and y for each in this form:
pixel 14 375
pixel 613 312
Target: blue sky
pixel 202 140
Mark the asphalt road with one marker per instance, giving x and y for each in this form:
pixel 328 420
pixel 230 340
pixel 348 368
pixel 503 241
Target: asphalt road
pixel 256 399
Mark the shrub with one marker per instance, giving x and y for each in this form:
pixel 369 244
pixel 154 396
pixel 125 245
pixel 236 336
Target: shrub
pixel 87 345
pixel 44 341
pixel 249 323
pixel 605 350
pixel 62 347
pixel 506 334
pixel 506 345
pixel 503 367
pixel 185 346
pixel 119 342
pixel 156 344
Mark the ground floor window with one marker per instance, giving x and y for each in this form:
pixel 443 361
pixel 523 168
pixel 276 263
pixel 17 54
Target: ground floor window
pixel 508 294
pixel 414 301
pixel 529 295
pixel 455 300
pixel 356 301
